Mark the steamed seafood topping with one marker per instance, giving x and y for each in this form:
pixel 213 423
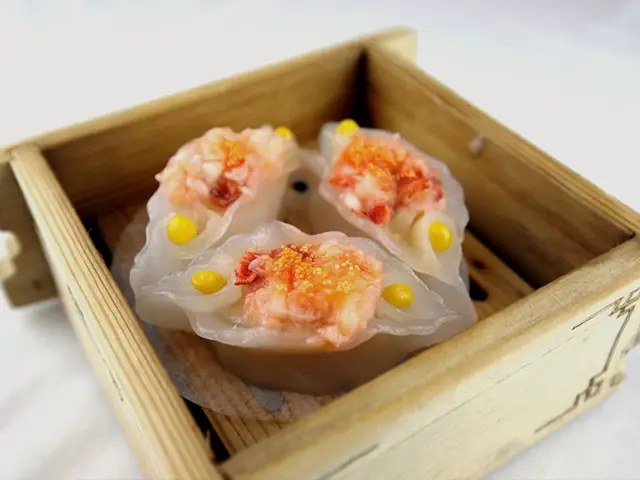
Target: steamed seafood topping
pixel 379 178
pixel 221 166
pixel 326 289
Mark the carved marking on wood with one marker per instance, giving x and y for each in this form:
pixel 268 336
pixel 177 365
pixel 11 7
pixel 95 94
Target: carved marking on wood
pixel 628 306
pixel 618 307
pixel 621 307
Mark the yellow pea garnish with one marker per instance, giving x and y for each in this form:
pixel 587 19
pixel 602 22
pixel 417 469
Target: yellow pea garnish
pixel 440 236
pixel 181 230
pixel 208 281
pixel 400 295
pixel 284 132
pixel 347 127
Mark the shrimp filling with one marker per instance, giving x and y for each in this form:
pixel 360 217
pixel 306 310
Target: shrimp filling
pixel 379 178
pixel 327 289
pixel 221 166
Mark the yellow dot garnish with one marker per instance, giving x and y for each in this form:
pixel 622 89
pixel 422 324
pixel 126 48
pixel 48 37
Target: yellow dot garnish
pixel 400 295
pixel 181 230
pixel 208 281
pixel 347 127
pixel 440 236
pixel 284 132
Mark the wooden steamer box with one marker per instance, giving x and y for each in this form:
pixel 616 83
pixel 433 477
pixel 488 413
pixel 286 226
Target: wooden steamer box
pixel 554 262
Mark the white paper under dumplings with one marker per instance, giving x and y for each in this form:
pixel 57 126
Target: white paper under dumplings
pixel 160 256
pixel 328 212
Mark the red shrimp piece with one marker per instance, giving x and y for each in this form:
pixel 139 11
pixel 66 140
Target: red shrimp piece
pixel 224 193
pixel 417 183
pixel 343 181
pixel 244 275
pixel 380 214
pixel 407 188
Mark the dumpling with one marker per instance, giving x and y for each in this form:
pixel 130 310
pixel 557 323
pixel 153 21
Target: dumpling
pixel 215 186
pixel 306 306
pixel 376 184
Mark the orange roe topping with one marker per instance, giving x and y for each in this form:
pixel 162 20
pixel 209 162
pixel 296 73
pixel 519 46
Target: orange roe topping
pixel 221 166
pixel 384 176
pixel 313 282
pixel 234 153
pixel 227 190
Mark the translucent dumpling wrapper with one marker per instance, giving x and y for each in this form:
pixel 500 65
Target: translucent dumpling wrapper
pixel 307 313
pixel 215 186
pixel 375 184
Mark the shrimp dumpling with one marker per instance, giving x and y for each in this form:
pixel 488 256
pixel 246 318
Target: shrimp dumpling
pixel 215 186
pixel 306 306
pixel 379 185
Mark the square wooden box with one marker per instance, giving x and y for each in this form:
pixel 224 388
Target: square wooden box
pixel 556 258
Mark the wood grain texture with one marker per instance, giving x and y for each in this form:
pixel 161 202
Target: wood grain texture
pixel 110 161
pixel 31 280
pixel 101 368
pixel 502 286
pixel 158 424
pixel 539 216
pixel 476 400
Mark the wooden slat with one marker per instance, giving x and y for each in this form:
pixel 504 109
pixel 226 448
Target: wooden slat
pixel 502 285
pixel 157 422
pixel 472 402
pixel 541 217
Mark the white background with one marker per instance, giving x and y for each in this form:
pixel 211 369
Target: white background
pixel 564 74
